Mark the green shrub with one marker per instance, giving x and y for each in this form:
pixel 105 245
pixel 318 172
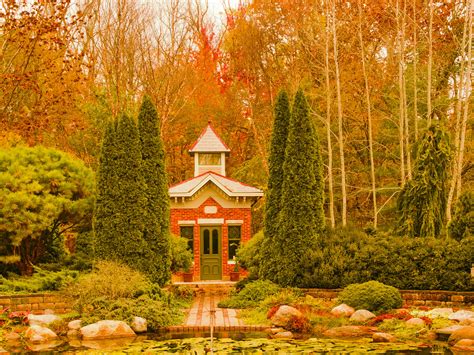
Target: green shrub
pixel 181 256
pixel 462 224
pixel 372 295
pixel 110 280
pixel 41 280
pixel 251 295
pixel 157 313
pixel 249 255
pixel 348 256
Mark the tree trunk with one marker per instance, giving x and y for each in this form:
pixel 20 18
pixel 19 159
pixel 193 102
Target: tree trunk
pixel 369 117
pixel 339 116
pixel 430 63
pixel 401 119
pixel 459 90
pixel 464 92
pixel 415 88
pixel 328 128
pixel 404 96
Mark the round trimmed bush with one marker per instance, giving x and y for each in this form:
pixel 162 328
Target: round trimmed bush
pixel 373 296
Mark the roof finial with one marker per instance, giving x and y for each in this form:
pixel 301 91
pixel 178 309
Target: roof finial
pixel 209 121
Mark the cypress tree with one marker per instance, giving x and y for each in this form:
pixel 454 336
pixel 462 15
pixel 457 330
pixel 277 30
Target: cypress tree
pixel 302 216
pixel 156 232
pixel 275 182
pixel 422 201
pixel 120 211
pixel 107 192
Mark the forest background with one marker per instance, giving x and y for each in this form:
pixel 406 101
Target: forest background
pixel 376 74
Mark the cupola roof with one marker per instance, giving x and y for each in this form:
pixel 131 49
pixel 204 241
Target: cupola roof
pixel 209 142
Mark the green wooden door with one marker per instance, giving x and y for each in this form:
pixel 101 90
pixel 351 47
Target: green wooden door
pixel 211 261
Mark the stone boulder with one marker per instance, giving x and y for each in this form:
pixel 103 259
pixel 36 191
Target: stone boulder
pixel 43 319
pixel 139 325
pixel 361 315
pixel 415 322
pixel 464 333
pixel 74 324
pixel 440 312
pixel 284 314
pixel 468 321
pixel 343 310
pixel 347 331
pixel 464 346
pixel 39 334
pixel 461 315
pixel 283 335
pixel 383 338
pixel 107 329
pixel 274 330
pixel 444 333
pixel 12 336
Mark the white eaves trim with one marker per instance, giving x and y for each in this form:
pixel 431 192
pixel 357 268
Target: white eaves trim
pixel 211 178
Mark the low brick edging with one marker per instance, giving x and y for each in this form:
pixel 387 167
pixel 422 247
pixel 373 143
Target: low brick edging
pixel 218 328
pixel 36 303
pixel 431 298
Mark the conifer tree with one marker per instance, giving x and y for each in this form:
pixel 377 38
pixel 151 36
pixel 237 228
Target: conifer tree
pixel 275 182
pixel 107 192
pixel 121 210
pixel 156 232
pixel 302 216
pixel 422 201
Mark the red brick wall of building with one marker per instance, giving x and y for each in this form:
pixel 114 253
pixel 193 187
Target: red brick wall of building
pixel 188 214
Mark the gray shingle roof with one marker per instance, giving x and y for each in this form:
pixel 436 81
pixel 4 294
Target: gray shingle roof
pixel 231 187
pixel 209 142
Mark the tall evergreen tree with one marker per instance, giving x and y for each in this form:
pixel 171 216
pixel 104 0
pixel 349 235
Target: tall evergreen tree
pixel 107 192
pixel 275 182
pixel 302 216
pixel 121 210
pixel 156 232
pixel 422 201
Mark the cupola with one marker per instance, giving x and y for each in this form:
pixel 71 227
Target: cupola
pixel 209 152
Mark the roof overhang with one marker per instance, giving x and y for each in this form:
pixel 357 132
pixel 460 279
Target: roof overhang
pixel 212 179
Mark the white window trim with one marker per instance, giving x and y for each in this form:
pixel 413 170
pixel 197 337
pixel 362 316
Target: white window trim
pixel 186 223
pixel 235 222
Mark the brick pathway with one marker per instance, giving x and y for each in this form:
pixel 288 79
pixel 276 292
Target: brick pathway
pixel 200 313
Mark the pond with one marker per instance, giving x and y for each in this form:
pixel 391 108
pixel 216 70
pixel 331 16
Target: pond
pixel 226 343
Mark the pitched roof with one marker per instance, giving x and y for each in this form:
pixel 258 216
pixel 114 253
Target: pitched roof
pixel 209 142
pixel 230 187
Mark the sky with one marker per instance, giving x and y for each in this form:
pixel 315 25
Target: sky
pixel 216 7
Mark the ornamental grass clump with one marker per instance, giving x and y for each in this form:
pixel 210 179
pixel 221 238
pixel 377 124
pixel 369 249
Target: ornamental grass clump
pixel 373 296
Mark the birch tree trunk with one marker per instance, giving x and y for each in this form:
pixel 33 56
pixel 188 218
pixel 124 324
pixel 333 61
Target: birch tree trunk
pixel 369 117
pixel 415 88
pixel 339 117
pixel 463 94
pixel 328 126
pixel 401 119
pixel 404 95
pixel 430 63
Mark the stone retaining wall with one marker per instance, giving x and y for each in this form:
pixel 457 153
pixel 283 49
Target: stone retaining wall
pixel 411 297
pixel 36 303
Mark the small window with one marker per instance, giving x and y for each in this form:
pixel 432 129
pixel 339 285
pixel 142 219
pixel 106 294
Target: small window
pixel 234 240
pixel 188 233
pixel 209 159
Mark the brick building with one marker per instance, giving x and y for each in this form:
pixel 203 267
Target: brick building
pixel 211 210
